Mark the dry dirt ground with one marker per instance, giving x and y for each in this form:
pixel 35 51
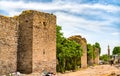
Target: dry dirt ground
pixel 99 70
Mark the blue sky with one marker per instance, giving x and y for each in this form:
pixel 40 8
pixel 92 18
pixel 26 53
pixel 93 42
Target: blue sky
pixel 96 20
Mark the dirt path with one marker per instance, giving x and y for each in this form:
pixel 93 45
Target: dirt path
pixel 100 70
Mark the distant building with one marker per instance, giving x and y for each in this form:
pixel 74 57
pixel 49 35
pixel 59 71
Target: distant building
pixel 116 59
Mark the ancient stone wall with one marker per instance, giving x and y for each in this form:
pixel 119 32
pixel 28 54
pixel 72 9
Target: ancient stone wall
pixel 90 61
pixel 44 42
pixel 25 42
pixel 28 43
pixel 96 61
pixel 8 45
pixel 36 42
pixel 83 43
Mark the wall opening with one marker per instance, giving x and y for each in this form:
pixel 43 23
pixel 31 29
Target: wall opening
pixel 26 21
pixel 44 23
pixel 43 51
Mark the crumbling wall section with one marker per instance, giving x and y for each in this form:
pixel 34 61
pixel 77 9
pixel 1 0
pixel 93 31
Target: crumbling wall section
pixel 83 43
pixel 96 60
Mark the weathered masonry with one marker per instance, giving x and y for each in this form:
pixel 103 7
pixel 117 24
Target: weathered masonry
pixel 8 45
pixel 86 60
pixel 83 43
pixel 96 61
pixel 33 48
pixel 36 42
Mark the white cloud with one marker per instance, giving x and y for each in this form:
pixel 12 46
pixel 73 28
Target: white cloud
pixel 62 6
pixel 72 24
pixel 116 33
pixel 67 20
pixel 57 5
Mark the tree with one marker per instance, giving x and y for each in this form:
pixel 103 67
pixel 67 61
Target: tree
pixel 68 53
pixel 116 50
pixel 97 45
pixel 104 57
pixel 92 52
pixel 60 52
pixel 89 50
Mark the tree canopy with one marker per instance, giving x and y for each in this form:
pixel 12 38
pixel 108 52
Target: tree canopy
pixel 68 52
pixel 104 57
pixel 90 51
pixel 97 45
pixel 116 50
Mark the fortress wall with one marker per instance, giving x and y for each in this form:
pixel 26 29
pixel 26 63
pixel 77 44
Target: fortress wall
pixel 25 40
pixel 28 43
pixel 8 45
pixel 36 42
pixel 83 43
pixel 97 56
pixel 44 42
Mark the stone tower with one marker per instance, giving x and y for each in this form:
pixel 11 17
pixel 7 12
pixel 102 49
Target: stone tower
pixel 36 42
pixel 28 43
pixel 83 43
pixel 108 52
pixel 8 45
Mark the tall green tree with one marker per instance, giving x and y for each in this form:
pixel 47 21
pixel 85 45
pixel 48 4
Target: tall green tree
pixel 97 45
pixel 60 52
pixel 116 50
pixel 68 53
pixel 90 51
